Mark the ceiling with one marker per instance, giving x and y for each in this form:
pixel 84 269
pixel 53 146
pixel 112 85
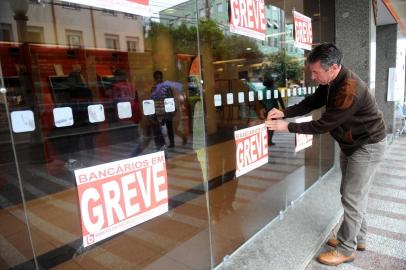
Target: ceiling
pixel 392 11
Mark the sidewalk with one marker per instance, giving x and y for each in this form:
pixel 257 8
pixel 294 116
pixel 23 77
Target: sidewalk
pixel 294 241
pixel 386 216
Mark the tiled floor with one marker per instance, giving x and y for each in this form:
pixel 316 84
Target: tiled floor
pixel 386 216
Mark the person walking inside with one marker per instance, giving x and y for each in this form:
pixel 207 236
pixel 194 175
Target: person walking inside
pixel 352 117
pixel 159 92
pixel 269 104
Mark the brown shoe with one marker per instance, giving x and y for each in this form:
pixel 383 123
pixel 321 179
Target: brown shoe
pixel 334 258
pixel 361 247
pixel 334 243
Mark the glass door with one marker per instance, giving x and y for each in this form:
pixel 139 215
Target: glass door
pixel 108 126
pixel 15 235
pixel 252 65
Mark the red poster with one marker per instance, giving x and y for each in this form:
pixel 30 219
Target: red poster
pixel 303 141
pixel 303 31
pixel 247 17
pixel 116 196
pixel 252 148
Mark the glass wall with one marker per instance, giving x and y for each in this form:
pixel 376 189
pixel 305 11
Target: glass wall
pixel 89 87
pixel 119 131
pixel 243 77
pixel 14 232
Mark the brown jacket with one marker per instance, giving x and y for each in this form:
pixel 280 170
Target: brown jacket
pixel 352 116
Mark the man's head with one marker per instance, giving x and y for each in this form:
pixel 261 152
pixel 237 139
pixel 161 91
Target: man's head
pixel 158 76
pixel 324 62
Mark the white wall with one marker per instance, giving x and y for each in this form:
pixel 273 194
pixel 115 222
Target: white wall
pixel 80 20
pixel 39 15
pixel 6 16
pixel 118 25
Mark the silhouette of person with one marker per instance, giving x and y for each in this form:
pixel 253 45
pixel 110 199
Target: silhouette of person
pixel 159 92
pixel 269 104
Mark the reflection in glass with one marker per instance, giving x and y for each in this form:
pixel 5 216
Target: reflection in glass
pixel 88 75
pixel 103 86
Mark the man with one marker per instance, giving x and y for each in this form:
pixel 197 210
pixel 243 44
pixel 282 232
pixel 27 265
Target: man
pixel 269 104
pixel 159 92
pixel 352 117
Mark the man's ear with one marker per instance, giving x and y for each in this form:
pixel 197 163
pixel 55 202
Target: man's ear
pixel 335 67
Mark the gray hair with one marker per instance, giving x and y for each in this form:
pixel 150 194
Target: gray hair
pixel 327 53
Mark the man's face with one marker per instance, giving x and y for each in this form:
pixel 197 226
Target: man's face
pixel 322 76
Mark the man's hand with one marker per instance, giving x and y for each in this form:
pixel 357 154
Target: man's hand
pixel 275 114
pixel 279 125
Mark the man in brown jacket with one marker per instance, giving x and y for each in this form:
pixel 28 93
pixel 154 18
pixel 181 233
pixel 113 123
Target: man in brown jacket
pixel 352 117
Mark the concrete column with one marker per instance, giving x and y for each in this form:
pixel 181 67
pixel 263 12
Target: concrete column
pixel 355 36
pixel 386 36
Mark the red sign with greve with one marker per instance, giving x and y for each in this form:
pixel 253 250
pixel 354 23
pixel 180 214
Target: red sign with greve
pixel 247 17
pixel 116 196
pixel 303 31
pixel 251 148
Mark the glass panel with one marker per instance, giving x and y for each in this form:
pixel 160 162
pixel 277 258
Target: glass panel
pixel 15 244
pixel 244 75
pixel 309 158
pixel 322 14
pixel 102 88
